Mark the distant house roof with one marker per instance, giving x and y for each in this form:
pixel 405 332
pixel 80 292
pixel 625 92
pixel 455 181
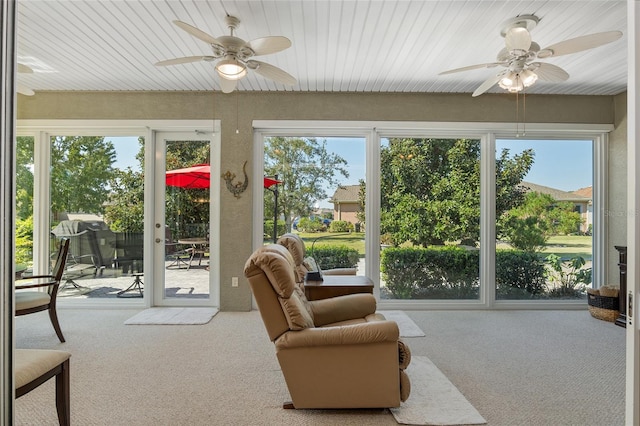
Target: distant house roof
pixel 585 192
pixel 557 194
pixel 346 194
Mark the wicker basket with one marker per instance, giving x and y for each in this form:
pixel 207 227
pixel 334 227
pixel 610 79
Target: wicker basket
pixel 603 307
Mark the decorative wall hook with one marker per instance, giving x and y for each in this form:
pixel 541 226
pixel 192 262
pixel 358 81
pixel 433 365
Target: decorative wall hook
pixel 239 187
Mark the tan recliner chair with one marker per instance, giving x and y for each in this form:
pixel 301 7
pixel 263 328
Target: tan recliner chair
pixel 303 264
pixel 334 353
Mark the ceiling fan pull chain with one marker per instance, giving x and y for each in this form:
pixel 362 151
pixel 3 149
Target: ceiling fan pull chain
pixel 524 113
pixel 517 115
pixel 237 112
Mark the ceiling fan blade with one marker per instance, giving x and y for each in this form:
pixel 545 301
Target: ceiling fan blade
pixel 22 68
pixel 272 72
pixel 196 32
pixel 488 84
pixel 474 67
pixel 228 86
pixel 185 60
pixel 24 90
pixel 579 44
pixel 518 39
pixel 549 72
pixel 268 45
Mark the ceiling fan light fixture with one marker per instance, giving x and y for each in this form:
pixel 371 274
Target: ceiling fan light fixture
pixel 231 69
pixel 528 77
pixel 516 82
pixel 510 82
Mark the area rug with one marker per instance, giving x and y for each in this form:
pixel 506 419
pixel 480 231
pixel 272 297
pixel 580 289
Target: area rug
pixel 173 316
pixel 434 400
pixel 407 327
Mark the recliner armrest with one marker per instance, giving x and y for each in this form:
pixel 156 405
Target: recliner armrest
pixel 355 334
pixel 342 308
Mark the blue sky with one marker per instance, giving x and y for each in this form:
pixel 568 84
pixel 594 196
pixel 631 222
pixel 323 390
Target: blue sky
pixel 560 164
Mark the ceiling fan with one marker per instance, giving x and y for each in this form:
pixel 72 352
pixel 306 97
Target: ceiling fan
pixel 519 57
pixel 235 55
pixel 24 69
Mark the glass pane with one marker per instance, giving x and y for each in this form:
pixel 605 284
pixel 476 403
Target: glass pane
pixel 544 211
pixel 97 198
pixel 430 218
pixel 187 219
pixel 320 197
pixel 24 206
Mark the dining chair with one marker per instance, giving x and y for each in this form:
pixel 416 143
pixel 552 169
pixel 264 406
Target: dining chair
pixel 36 300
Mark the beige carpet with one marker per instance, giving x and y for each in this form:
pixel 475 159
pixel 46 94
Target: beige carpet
pixel 517 368
pixel 407 327
pixel 173 316
pixel 434 400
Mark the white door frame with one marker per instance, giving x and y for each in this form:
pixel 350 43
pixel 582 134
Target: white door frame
pixel 632 403
pixel 154 191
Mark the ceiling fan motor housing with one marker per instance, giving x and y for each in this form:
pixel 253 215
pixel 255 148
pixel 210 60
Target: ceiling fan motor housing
pixel 528 22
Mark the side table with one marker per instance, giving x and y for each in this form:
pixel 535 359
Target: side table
pixel 337 285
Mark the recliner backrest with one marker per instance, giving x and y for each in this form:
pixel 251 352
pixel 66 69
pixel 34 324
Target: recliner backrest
pixel 296 248
pixel 270 271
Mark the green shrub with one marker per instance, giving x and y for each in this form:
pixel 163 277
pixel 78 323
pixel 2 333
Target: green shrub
pixel 450 272
pixel 519 275
pixel 24 241
pixel 311 225
pixel 268 228
pixel 568 278
pixel 341 226
pixel 445 272
pixel 335 256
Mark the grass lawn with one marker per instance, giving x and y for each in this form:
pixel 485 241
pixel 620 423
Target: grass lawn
pixel 566 246
pixel 353 240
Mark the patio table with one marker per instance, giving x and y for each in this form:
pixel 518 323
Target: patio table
pixel 198 247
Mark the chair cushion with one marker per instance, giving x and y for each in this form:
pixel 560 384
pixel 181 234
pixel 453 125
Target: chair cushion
pixel 31 299
pixel 33 363
pixel 296 313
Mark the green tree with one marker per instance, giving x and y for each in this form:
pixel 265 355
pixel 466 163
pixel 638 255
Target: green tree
pixel 125 210
pixel 24 178
pixel 305 168
pixel 430 189
pixel 82 167
pixel 529 225
pixel 186 208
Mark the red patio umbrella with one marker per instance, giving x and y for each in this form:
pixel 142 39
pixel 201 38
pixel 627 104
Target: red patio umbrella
pixel 198 176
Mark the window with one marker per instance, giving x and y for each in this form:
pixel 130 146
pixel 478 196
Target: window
pixel 543 237
pixel 430 218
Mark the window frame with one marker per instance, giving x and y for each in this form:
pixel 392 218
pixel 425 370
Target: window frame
pixel 487 133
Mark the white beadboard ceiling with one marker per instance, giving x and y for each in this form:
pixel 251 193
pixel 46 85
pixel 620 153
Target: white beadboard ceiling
pixel 338 46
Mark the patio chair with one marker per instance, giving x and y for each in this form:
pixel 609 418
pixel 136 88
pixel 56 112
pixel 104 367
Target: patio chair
pixel 31 301
pixel 175 252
